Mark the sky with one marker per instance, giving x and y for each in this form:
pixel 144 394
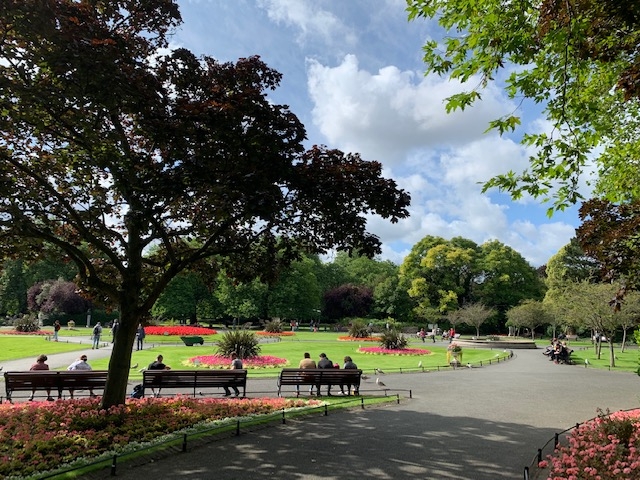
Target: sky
pixel 353 74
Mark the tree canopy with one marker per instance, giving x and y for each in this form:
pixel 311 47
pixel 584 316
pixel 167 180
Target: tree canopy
pixel 109 147
pixel 577 59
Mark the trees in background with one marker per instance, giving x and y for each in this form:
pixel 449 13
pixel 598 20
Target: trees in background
pixel 529 314
pixel 445 275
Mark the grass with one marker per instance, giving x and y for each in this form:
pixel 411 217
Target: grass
pixel 626 361
pixel 293 349
pixel 14 347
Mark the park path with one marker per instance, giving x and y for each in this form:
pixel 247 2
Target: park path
pixel 481 423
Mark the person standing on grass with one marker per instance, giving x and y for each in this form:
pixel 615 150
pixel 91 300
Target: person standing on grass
pixel 140 337
pixel 114 330
pixel 236 364
pixel 158 365
pixel 41 365
pixel 96 334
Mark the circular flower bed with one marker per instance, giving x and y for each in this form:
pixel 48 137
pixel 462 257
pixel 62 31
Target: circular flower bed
pixel 218 361
pixel 181 331
pixel 400 351
pixel 275 334
pixel 347 338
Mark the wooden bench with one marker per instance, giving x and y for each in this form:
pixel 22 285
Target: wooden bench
pixel 194 379
pixel 55 381
pixel 319 376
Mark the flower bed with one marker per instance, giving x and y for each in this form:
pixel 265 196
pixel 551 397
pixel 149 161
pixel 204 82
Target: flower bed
pixel 275 334
pixel 605 448
pixel 15 332
pixel 400 351
pixel 41 436
pixel 347 338
pixel 218 361
pixel 181 331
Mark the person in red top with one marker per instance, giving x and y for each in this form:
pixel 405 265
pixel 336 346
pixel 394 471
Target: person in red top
pixel 41 365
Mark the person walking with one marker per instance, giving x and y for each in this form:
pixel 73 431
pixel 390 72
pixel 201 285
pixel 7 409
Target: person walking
pixel 41 365
pixel 56 329
pixel 140 337
pixel 236 364
pixel 82 366
pixel 96 334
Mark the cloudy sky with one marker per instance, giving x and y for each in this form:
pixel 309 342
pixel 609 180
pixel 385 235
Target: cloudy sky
pixel 353 74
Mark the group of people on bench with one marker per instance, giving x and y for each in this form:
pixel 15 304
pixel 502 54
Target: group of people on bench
pixel 558 352
pixel 324 362
pixel 41 364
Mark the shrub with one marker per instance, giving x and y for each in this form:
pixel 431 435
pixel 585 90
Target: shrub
pixel 273 326
pixel 244 342
pixel 26 324
pixel 393 339
pixel 358 329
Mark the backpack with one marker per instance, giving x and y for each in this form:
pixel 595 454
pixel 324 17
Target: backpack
pixel 137 391
pixel 95 330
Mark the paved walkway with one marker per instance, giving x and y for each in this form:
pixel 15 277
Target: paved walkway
pixel 470 424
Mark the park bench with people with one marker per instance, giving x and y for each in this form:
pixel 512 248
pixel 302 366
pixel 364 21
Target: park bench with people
pixel 54 381
pixel 319 377
pixel 194 380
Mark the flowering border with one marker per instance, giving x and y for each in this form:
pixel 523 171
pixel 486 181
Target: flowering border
pixel 221 362
pixel 275 334
pixel 15 332
pixel 181 331
pixel 347 338
pixel 388 351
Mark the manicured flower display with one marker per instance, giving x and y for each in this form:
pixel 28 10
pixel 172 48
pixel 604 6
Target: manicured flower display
pixel 605 448
pixel 182 331
pixel 399 351
pixel 39 436
pixel 275 334
pixel 347 338
pixel 15 332
pixel 219 361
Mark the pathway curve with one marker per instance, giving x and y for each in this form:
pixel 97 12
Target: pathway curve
pixel 470 424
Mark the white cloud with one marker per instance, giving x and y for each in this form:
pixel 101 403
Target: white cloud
pixel 311 21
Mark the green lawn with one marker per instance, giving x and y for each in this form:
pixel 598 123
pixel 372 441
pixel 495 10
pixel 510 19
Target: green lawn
pixel 14 347
pixel 293 348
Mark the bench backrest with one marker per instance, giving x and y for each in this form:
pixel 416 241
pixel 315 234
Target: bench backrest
pixel 319 376
pixel 194 378
pixel 58 380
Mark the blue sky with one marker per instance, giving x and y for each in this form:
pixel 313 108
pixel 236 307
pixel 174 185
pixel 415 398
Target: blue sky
pixel 353 74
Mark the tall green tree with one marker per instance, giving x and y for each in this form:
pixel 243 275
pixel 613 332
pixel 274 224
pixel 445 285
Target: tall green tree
pixel 577 59
pixel 109 146
pixel 505 278
pixel 13 288
pixel 296 295
pixel 529 314
pixel 182 298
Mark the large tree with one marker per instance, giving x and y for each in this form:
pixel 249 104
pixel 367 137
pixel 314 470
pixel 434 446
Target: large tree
pixel 577 59
pixel 109 147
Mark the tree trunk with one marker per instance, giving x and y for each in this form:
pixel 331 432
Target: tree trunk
pixel 624 340
pixel 612 358
pixel 115 391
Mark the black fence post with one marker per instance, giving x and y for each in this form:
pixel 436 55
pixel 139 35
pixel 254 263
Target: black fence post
pixel 184 442
pixel 362 402
pixel 539 455
pixel 114 462
pixel 557 440
pixel 238 428
pixel 326 409
pixel 398 398
pixel 283 417
pixel 526 473
pixel 410 394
